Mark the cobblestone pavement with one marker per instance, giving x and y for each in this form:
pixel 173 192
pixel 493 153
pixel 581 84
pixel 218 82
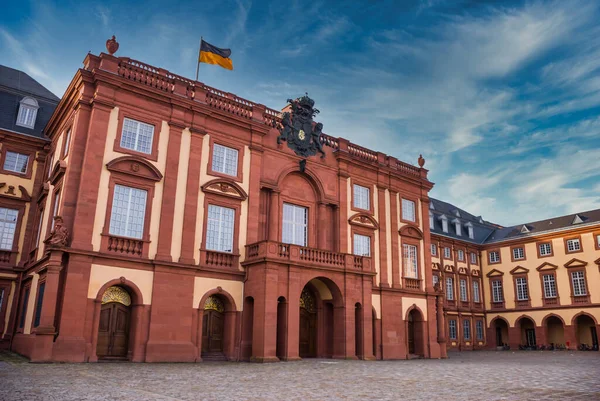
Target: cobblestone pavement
pixel 525 375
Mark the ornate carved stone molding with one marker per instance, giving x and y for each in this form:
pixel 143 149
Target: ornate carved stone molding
pixel 225 187
pixel 134 166
pixel 495 273
pixel 411 231
pixel 363 220
pixel 8 191
pixel 59 169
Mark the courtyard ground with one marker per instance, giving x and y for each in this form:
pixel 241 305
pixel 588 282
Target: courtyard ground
pixel 508 375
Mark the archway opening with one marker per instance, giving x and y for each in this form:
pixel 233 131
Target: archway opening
pixel 501 332
pixel 555 331
pixel 213 328
pixel 321 328
pixel 247 328
pixel 527 332
pixel 585 331
pixel 114 324
pixel 414 332
pixel 358 332
pixel 281 346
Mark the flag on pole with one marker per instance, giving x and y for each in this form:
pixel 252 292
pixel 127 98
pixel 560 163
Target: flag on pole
pixel 213 55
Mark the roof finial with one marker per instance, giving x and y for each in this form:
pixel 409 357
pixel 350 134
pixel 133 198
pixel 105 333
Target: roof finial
pixel 112 45
pixel 421 161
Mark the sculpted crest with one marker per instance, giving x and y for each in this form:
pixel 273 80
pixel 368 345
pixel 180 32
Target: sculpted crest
pixel 302 135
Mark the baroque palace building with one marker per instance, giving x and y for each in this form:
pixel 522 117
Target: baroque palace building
pixel 160 219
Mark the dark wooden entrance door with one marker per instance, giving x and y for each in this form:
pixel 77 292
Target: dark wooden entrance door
pixel 411 336
pixel 308 331
pixel 113 331
pixel 212 331
pixel 499 342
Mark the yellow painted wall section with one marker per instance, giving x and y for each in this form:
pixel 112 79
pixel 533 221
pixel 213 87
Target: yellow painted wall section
pixel 388 235
pixel 377 232
pixel 204 178
pixel 539 315
pixel 100 275
pixel 349 213
pixel 158 190
pixel 203 285
pixel 11 296
pixel 376 302
pixel 244 207
pixel 422 253
pixel 31 303
pixel 407 302
pixel 180 194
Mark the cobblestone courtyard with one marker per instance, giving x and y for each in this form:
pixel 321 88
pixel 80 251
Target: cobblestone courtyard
pixel 464 376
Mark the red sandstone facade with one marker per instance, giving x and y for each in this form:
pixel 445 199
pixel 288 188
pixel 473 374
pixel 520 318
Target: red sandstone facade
pixel 174 298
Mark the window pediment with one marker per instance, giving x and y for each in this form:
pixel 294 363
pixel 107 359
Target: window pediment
pixel 449 268
pixel 575 263
pixel 225 187
pixel 435 266
pixel 411 231
pixel 10 192
pixel 463 270
pixel 59 169
pixel 495 273
pixel 475 273
pixel 546 267
pixel 363 220
pixel 519 270
pixel 134 166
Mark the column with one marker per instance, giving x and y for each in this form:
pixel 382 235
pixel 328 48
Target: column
pixel 322 230
pixel 383 272
pixel 396 281
pixel 274 216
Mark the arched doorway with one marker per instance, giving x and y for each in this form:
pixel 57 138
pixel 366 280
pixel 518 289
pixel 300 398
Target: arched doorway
pixel 585 331
pixel 114 324
pixel 501 332
pixel 414 332
pixel 213 327
pixel 527 332
pixel 308 323
pixel 555 331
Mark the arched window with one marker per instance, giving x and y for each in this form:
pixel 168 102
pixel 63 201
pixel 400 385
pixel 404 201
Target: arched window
pixel 27 112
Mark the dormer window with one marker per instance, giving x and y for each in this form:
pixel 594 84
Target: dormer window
pixel 444 220
pixel 28 108
pixel 456 213
pixel 431 223
pixel 457 226
pixel 524 229
pixel 470 230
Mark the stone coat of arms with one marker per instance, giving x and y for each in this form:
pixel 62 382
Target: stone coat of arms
pixel 302 135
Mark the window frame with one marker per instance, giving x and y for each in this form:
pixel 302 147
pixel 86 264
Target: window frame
pixel 34 108
pixel 467 330
pixel 465 288
pixel 582 298
pixel 572 238
pixel 415 244
pixel 433 249
pixel 521 302
pixel 307 234
pixel 471 254
pixel 369 188
pixel 415 202
pixel 460 255
pixel 478 325
pixel 233 224
pixel 37 311
pixel 230 203
pixel 449 253
pixel 596 238
pixel 476 291
pixel 20 206
pixel 21 320
pixel 497 304
pixel 512 253
pixel 66 145
pixel 30 153
pixel 361 234
pixel 226 150
pixel 228 144
pixel 145 207
pixel 446 282
pixel 489 255
pixel 450 335
pixel 544 270
pixel 537 246
pixel 143 118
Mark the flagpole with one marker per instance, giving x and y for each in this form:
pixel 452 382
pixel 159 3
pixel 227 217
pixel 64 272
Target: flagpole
pixel 198 65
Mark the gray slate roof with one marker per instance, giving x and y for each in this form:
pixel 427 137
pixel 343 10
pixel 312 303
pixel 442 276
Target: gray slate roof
pixel 486 232
pixel 14 86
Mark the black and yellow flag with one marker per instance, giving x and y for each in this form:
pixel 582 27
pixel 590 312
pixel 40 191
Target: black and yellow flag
pixel 213 55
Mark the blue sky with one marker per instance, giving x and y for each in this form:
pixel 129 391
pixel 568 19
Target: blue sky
pixel 501 98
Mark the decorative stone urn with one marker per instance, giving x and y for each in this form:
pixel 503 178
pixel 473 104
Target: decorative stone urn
pixel 112 45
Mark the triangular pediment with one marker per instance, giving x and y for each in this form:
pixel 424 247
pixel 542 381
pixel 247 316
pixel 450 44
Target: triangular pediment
pixel 575 263
pixel 546 267
pixel 363 220
pixel 597 261
pixel 495 273
pixel 519 270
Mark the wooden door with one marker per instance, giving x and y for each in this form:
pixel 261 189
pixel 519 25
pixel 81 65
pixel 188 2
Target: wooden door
pixel 411 336
pixel 212 331
pixel 307 334
pixel 113 331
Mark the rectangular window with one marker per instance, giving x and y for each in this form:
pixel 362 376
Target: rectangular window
pixel 598 241
pixel 411 269
pixel 578 283
pixel 225 160
pixel 545 249
pixel 26 116
pixel 16 162
pixel 295 224
pixel 362 198
pixel 431 222
pixel 38 305
pixel 461 255
pixel 473 258
pixel 362 245
pixel 449 288
pixel 24 308
pixel 408 210
pixel 518 253
pixel 1 297
pixel 137 136
pixel 471 232
pixel 445 225
pixel 522 293
pixel 67 142
pixel 573 245
pixel 458 229
pixel 128 212
pixel 467 329
pixel 39 229
pixel 479 328
pixel 452 329
pixel 476 298
pixel 8 225
pixel 436 279
pixel 549 286
pixel 447 253
pixel 494 256
pixel 220 228
pixel 56 204
pixel 463 290
pixel 497 291
pixel 50 165
pixel 433 249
